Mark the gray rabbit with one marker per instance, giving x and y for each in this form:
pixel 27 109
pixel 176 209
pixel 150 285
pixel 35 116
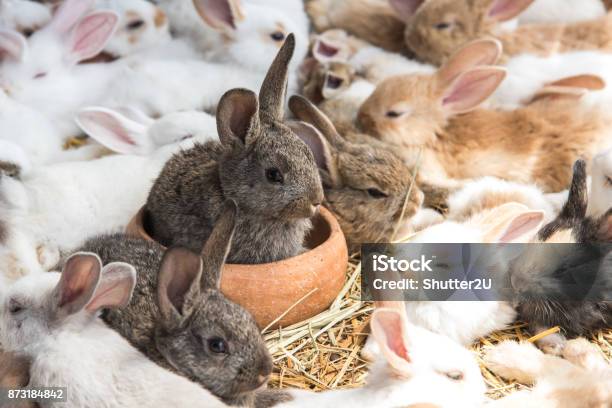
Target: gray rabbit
pixel 180 319
pixel 260 163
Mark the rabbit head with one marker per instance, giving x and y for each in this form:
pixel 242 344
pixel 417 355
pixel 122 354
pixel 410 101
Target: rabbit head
pixel 365 186
pixel 204 335
pixel 142 25
pixel 253 33
pixel 64 42
pixel 39 305
pixel 436 28
pixel 413 107
pixel 266 159
pixel 431 367
pixel 130 131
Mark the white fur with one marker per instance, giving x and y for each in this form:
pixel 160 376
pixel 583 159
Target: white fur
pixel 98 366
pixel 562 11
pixel 422 380
pixel 600 199
pixel 43 209
pixel 23 14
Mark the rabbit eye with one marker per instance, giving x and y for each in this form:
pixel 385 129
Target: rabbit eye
pixel 393 114
pixel 443 26
pixel 609 181
pixel 375 193
pixel 15 307
pixel 40 75
pixel 277 36
pixel 333 82
pixel 135 25
pixel 454 375
pixel 274 175
pixel 186 137
pixel 217 345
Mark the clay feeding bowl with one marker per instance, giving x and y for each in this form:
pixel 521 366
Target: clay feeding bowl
pixel 269 290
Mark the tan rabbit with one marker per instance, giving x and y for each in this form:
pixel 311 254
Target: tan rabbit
pixel 436 28
pixel 372 20
pixel 365 186
pixel 436 115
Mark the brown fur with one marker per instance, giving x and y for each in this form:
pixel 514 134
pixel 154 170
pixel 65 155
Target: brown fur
pixel 15 373
pixel 365 186
pixel 536 144
pixel 469 21
pixel 372 20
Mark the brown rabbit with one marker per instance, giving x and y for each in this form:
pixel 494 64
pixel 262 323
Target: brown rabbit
pixel 436 114
pixel 436 28
pixel 15 373
pixel 365 186
pixel 259 163
pixel 372 20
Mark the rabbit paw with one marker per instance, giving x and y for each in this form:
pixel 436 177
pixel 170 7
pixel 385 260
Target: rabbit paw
pixel 514 361
pixel 553 344
pixel 269 398
pixel 583 354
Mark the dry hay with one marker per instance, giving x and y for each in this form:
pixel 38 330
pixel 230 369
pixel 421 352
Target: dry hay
pixel 324 352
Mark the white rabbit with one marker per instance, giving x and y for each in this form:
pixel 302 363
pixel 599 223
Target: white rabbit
pixel 43 206
pixel 417 367
pixel 42 72
pixel 582 378
pixel 600 199
pixel 51 319
pixel 247 34
pixel 562 11
pixel 466 321
pixel 23 15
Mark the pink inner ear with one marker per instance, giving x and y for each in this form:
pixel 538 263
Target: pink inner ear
pixel 114 289
pixel 92 34
pixel 406 8
pixel 471 89
pixel 503 10
pixel 390 322
pixel 521 226
pixel 326 50
pixel 69 13
pixel 108 123
pixel 217 13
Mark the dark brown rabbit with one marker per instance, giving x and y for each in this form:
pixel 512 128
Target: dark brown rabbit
pixel 260 164
pixel 180 319
pixel 534 270
pixel 365 186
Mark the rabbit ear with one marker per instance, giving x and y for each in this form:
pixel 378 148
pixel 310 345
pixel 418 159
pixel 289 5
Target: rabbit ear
pixel 178 285
pixel 221 15
pixel 504 10
pixel 274 86
pixel 115 288
pixel 12 45
pixel 406 8
pixel 577 201
pixel 69 13
pixel 114 130
pixel 77 284
pixel 521 228
pixel 389 329
pixel 325 51
pixel 320 150
pixel 237 117
pixel 471 88
pixel 307 112
pixel 91 35
pixel 476 53
pixel 218 246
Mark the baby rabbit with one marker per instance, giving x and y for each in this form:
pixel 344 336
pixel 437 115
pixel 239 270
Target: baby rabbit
pixel 417 368
pixel 537 269
pixel 436 28
pixel 260 163
pixel 436 114
pixel 179 318
pixel 365 186
pixel 582 379
pixel 51 320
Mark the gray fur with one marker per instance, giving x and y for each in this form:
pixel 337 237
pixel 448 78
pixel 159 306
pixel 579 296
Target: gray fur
pixel 175 334
pixel 186 199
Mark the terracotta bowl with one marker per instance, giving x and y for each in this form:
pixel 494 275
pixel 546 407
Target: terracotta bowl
pixel 269 290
